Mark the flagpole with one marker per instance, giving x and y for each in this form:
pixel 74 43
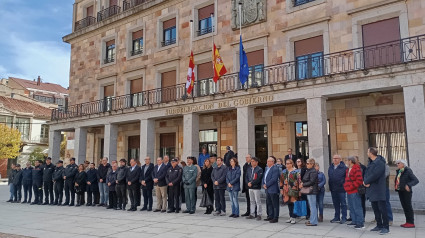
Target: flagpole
pixel 240 18
pixel 191 34
pixel 212 45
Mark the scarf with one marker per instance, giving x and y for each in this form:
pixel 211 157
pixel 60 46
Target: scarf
pixel 397 181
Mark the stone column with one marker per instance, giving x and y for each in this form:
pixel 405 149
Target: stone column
pixel 54 145
pixel 110 140
pixel 414 107
pixel 80 145
pixel 190 135
pixel 245 132
pixel 147 139
pixel 318 131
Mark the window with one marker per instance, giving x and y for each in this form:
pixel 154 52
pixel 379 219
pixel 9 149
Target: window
pixel 168 83
pixel 388 134
pixel 110 52
pixel 381 42
pixel 108 94
pixel 136 95
pixel 301 140
pixel 137 43
pixel 89 11
pixel 309 58
pixel 205 82
pixel 205 24
pixel 133 147
pixel 23 125
pixel 7 120
pixel 208 139
pixel 167 144
pixel 44 133
pixel 301 2
pixel 256 66
pixel 169 32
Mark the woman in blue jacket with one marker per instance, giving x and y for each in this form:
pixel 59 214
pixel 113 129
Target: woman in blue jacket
pixel 321 194
pixel 233 185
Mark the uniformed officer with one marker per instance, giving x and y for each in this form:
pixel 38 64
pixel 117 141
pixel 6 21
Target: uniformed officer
pixel 190 172
pixel 121 185
pixel 27 183
pixel 173 179
pixel 48 170
pixel 37 182
pixel 69 176
pixel 58 182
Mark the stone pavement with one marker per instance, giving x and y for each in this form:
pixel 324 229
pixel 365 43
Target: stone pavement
pixel 54 221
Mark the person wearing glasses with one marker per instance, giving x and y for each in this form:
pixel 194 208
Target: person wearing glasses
pixel 309 180
pixel 353 180
pixel 302 169
pixel 245 188
pixel 290 188
pixel 336 175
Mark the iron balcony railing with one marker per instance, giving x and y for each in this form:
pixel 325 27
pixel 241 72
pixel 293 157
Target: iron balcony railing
pixel 85 22
pixel 301 2
pixel 168 42
pixel 127 4
pixel 108 12
pixel 137 51
pixel 204 31
pixel 365 58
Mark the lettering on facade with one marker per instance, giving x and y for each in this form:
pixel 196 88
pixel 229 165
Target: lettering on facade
pixel 222 104
pixel 253 11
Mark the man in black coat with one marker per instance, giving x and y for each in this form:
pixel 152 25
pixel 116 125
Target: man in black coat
pixel 92 186
pixel 102 172
pixel 121 184
pixel 58 182
pixel 245 187
pixel 133 174
pixel 17 182
pixel 48 169
pixel 27 182
pixel 174 178
pixel 37 182
pixel 147 184
pixel 229 154
pixel 70 172
pixel 10 177
pixel 375 183
pixel 291 156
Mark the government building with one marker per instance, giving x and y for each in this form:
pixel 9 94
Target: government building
pixel 325 77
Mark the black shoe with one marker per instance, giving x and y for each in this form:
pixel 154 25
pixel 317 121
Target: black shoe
pixel 177 211
pixel 88 204
pixel 156 210
pixel 149 209
pixel 171 211
pixel 162 211
pixel 40 203
pixel 192 212
pixel 24 201
pixel 109 207
pixel 46 203
pixel 72 204
pixel 77 205
pixel 55 203
pixel 93 205
pixel 143 209
pixel 349 219
pixel 33 203
pixel 65 204
pixel 268 219
pixel 235 216
pixel 186 211
pixel 245 214
pixel 231 215
pixel 10 200
pixel 101 205
pixel 250 217
pixel 273 221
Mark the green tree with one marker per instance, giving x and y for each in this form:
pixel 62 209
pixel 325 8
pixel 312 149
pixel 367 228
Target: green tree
pixel 10 142
pixel 37 154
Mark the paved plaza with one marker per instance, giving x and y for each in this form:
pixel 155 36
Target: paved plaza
pixel 24 220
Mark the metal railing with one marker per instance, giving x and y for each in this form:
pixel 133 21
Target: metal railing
pixel 364 58
pixel 204 31
pixel 85 22
pixel 109 60
pixel 137 52
pixel 168 42
pixel 301 2
pixel 108 12
pixel 127 4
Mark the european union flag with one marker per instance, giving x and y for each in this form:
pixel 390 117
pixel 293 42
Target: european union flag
pixel 243 60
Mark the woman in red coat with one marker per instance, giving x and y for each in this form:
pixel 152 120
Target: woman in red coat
pixel 353 180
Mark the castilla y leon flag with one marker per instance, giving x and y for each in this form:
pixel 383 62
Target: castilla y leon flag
pixel 218 65
pixel 190 74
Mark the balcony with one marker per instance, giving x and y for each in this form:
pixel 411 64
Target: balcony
pixel 360 59
pixel 108 12
pixel 127 4
pixel 168 42
pixel 301 2
pixel 204 31
pixel 85 23
pixel 137 52
pixel 109 60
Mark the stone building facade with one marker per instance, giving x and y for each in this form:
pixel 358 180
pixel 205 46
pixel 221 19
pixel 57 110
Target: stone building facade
pixel 326 77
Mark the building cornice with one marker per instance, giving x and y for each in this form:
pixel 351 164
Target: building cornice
pixel 373 5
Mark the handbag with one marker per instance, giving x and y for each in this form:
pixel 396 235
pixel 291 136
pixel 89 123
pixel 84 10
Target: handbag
pixel 361 190
pixel 300 208
pixel 306 190
pixel 205 200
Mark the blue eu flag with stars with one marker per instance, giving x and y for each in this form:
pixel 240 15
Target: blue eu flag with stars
pixel 243 60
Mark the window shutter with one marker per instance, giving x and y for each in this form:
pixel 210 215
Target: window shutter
pixel 168 79
pixel 255 57
pixel 169 23
pixel 137 34
pixel 108 91
pixel 381 32
pixel 136 86
pixel 167 140
pixel 309 46
pixel 205 71
pixel 134 142
pixel 89 11
pixel 113 3
pixel 205 12
pixel 109 43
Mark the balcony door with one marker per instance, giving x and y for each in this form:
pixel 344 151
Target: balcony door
pixel 133 147
pixel 168 86
pixel 167 143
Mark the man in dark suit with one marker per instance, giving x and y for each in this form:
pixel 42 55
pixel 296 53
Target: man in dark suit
pixel 133 174
pixel 48 169
pixel 147 184
pixel 271 185
pixel 229 154
pixel 291 156
pixel 158 176
pixel 245 187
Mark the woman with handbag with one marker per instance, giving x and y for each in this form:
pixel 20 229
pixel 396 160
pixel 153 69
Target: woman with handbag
pixel 80 184
pixel 309 187
pixel 207 186
pixel 290 189
pixel 353 180
pixel 404 181
pixel 301 171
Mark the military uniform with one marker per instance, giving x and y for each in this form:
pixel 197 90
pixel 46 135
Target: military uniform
pixel 37 184
pixel 48 182
pixel 70 172
pixel 174 176
pixel 27 184
pixel 189 182
pixel 57 178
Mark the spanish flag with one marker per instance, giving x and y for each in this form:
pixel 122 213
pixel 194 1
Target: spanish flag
pixel 190 74
pixel 218 65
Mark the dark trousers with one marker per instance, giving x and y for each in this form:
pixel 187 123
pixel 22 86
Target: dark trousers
pixel 381 215
pixel 406 203
pixel 48 191
pixel 272 204
pixel 69 190
pixel 174 197
pixel 291 210
pixel 96 196
pixel 80 196
pixel 27 191
pixel 220 202
pixel 113 199
pixel 18 193
pixel 138 196
pixel 363 198
pixel 58 187
pixel 132 193
pixel 248 202
pixel 121 194
pixel 147 198
pixel 91 193
pixel 339 201
pixel 38 193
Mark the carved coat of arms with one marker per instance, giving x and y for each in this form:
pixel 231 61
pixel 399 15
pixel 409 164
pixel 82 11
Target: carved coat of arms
pixel 253 11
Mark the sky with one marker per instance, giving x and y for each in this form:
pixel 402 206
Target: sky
pixel 31 43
